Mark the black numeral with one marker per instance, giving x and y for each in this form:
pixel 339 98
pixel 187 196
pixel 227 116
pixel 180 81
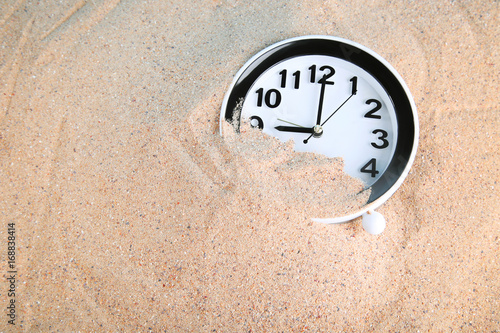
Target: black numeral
pixel 325 77
pixel 331 71
pixel 313 73
pixel 296 75
pixel 382 137
pixel 256 122
pixel 354 81
pixel 297 79
pixel 272 98
pixel 371 168
pixel 283 78
pixel 371 113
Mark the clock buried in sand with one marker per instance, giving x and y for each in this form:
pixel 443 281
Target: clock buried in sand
pixel 334 97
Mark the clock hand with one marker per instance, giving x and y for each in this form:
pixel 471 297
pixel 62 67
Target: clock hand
pixel 348 98
pixel 295 129
pixel 289 122
pixel 318 129
pixel 321 98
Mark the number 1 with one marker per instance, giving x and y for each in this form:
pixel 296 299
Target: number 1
pixel 354 81
pixel 297 79
pixel 283 78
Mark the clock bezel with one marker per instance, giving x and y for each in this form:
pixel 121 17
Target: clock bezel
pixel 368 60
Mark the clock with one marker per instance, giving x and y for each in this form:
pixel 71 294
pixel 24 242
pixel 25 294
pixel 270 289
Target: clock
pixel 333 97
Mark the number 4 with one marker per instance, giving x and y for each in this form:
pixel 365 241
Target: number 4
pixel 370 167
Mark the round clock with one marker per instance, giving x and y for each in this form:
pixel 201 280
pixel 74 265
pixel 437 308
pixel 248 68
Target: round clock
pixel 334 97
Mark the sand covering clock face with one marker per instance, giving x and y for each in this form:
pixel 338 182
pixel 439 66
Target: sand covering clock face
pixel 296 179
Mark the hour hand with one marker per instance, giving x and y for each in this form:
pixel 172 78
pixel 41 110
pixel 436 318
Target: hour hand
pixel 295 129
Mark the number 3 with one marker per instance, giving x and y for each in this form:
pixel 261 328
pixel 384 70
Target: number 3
pixel 383 135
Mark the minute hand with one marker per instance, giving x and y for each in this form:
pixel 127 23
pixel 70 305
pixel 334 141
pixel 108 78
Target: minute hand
pixel 312 133
pixel 337 109
pixel 294 129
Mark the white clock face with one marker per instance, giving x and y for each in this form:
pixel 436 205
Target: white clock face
pixel 356 117
pixel 332 97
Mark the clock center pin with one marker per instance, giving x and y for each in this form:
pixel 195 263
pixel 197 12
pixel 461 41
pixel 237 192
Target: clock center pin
pixel 317 131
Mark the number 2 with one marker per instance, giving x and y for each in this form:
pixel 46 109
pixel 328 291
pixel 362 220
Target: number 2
pixel 371 113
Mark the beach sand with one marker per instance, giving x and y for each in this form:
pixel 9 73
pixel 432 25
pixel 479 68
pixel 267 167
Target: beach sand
pixel 129 212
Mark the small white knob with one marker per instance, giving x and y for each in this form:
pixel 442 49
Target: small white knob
pixel 373 222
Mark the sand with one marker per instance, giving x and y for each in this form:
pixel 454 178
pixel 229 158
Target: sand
pixel 127 211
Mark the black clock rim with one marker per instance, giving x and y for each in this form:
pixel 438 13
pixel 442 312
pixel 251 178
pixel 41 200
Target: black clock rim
pixel 359 57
